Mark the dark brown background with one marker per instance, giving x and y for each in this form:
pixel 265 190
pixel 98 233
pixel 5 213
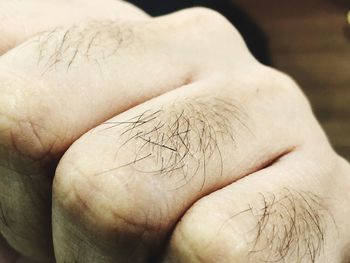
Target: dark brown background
pixel 310 40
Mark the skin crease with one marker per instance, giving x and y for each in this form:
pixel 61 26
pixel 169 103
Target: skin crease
pixel 190 69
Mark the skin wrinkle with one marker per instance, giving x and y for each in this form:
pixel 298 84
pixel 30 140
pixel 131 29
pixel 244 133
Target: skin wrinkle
pixel 16 157
pixel 136 235
pixel 26 127
pixel 36 135
pixel 84 205
pixel 90 42
pixel 180 138
pixel 291 228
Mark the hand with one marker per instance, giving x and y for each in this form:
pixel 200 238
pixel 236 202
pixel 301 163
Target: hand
pixel 26 165
pixel 210 156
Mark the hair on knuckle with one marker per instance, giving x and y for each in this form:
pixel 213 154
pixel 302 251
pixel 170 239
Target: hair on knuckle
pixel 180 139
pixel 90 42
pixel 290 226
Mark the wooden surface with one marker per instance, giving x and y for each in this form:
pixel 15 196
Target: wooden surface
pixel 310 40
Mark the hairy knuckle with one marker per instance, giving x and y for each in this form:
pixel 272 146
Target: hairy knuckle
pixel 286 226
pixel 178 141
pixel 89 42
pixel 291 226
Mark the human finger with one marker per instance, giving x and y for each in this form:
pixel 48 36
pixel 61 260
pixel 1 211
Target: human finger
pixel 20 20
pixel 60 84
pixel 293 211
pixel 121 188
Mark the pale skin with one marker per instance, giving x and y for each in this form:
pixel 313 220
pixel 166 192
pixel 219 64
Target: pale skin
pixel 157 140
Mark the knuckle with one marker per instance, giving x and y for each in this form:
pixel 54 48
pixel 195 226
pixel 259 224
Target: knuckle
pixel 106 204
pixel 205 28
pixel 275 226
pixel 203 14
pixel 209 20
pixel 114 214
pixel 282 80
pixel 21 129
pixel 83 42
pixel 200 238
pixel 29 139
pixel 277 84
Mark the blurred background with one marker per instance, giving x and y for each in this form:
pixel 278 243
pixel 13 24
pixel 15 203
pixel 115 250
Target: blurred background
pixel 309 40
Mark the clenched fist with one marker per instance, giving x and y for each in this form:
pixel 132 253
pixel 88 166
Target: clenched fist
pixel 127 138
